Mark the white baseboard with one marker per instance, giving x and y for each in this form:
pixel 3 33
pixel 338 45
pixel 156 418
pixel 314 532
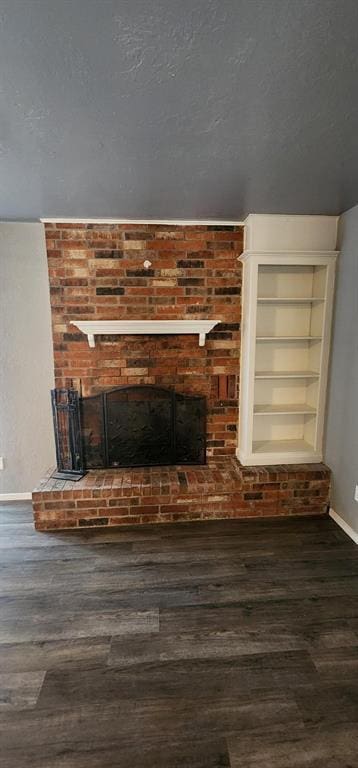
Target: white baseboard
pixel 345 527
pixel 16 496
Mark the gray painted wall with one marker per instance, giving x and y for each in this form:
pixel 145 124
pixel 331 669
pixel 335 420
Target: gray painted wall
pixel 180 109
pixel 26 358
pixel 342 417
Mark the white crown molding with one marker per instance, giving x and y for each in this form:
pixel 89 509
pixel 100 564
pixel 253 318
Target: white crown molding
pixel 132 327
pixel 175 222
pixel 345 527
pixel 15 496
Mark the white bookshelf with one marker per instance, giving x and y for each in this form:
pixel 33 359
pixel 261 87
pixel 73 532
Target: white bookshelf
pixel 286 322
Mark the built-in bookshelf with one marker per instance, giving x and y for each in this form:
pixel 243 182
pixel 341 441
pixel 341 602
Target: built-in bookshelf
pixel 287 308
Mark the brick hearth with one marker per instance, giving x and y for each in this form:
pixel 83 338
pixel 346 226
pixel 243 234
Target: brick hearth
pixel 222 488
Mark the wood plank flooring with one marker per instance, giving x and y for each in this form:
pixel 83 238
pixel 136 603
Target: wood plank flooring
pixel 199 645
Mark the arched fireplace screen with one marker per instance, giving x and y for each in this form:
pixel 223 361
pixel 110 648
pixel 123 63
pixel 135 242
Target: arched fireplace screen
pixel 132 427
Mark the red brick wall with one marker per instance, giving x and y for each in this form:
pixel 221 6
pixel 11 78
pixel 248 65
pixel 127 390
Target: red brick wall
pixel 96 272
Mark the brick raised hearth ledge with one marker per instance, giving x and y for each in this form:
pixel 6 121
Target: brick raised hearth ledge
pixel 220 489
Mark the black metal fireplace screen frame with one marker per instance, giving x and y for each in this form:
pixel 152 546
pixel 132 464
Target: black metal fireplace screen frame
pixel 129 426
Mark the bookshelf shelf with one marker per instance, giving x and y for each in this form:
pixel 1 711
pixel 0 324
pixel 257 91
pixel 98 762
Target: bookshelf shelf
pixel 288 338
pixel 286 375
pixel 284 300
pixel 282 410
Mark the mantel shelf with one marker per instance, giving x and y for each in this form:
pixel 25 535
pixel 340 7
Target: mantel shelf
pixel 93 328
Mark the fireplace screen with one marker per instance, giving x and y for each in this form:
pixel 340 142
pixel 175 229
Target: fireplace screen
pixel 66 421
pixel 141 426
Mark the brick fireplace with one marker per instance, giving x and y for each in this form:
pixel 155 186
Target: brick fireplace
pixel 97 272
pixel 101 272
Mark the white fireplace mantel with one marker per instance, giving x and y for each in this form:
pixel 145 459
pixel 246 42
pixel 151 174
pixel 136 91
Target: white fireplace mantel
pixel 93 328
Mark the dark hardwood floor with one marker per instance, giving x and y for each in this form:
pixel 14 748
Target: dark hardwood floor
pixel 202 645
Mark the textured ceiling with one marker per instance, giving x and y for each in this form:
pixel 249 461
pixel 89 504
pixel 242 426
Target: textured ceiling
pixel 177 108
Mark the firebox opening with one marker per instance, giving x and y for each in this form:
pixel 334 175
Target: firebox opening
pixel 131 426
